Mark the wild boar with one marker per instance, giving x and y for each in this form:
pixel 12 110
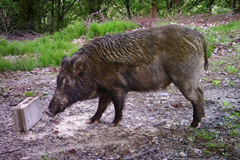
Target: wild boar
pixel 109 67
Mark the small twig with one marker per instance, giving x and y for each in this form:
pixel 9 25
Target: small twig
pixel 17 149
pixel 104 153
pixel 220 119
pixel 140 154
pixel 40 130
pixel 90 18
pixel 122 28
pixel 101 156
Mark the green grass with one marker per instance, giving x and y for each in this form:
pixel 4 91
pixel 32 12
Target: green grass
pixel 235 25
pixel 50 49
pixel 96 29
pixel 220 35
pixel 29 93
pixel 231 69
pixel 216 139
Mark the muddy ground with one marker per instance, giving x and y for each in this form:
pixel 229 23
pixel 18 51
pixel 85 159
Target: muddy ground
pixel 155 125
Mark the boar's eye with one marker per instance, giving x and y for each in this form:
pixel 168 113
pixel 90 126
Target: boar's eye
pixel 67 81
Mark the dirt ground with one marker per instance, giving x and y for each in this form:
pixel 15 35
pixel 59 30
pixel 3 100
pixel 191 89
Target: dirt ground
pixel 155 125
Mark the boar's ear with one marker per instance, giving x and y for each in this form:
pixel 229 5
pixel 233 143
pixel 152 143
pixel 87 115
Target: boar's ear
pixel 79 65
pixel 64 63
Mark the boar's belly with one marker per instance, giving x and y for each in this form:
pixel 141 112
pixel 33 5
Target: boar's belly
pixel 146 78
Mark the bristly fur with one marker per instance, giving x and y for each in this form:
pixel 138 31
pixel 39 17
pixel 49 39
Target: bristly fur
pixel 109 67
pixel 135 48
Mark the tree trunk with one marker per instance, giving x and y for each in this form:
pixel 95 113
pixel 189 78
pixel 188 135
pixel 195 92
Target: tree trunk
pixel 53 16
pixel 94 5
pixel 169 5
pixel 128 7
pixel 62 9
pixel 154 9
pixel 235 6
pixel 210 5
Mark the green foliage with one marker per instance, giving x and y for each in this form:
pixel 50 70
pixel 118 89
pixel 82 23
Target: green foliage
pixel 231 69
pixel 71 32
pixel 234 25
pixel 200 7
pixel 231 83
pixel 212 146
pixel 220 34
pixel 218 63
pixel 50 50
pixel 141 8
pixel 29 93
pixel 233 120
pixel 226 104
pixel 8 14
pixel 48 156
pixel 220 9
pixel 216 82
pixel 50 16
pixel 42 52
pixel 96 29
pixel 209 137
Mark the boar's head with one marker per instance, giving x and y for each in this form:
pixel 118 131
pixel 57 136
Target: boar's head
pixel 73 84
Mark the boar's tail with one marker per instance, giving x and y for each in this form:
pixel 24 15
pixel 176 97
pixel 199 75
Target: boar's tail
pixel 205 55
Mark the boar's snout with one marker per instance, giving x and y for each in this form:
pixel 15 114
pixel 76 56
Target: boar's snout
pixel 53 108
pixel 50 114
pixel 57 105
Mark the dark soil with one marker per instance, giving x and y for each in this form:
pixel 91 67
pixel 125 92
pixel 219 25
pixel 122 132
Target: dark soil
pixel 155 125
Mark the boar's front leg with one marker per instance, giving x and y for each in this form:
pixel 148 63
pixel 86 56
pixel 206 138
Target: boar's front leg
pixel 104 100
pixel 118 99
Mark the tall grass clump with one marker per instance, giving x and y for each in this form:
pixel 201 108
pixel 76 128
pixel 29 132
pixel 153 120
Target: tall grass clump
pixel 50 49
pixel 24 64
pixel 234 25
pixel 51 58
pixel 5 64
pixel 220 34
pixel 42 52
pixel 116 26
pixel 73 31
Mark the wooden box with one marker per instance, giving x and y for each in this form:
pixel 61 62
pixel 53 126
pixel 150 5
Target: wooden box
pixel 27 113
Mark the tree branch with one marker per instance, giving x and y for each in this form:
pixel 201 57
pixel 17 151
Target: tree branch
pixel 68 7
pixel 17 149
pixel 140 154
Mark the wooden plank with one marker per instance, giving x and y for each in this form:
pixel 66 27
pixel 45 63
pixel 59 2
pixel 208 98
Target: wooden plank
pixel 27 113
pixel 18 123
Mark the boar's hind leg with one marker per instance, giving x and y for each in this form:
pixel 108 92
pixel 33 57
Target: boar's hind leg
pixel 195 95
pixel 104 100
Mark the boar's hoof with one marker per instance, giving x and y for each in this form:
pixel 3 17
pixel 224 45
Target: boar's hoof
pixel 90 121
pixel 199 125
pixel 50 114
pixel 113 124
pixel 195 124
